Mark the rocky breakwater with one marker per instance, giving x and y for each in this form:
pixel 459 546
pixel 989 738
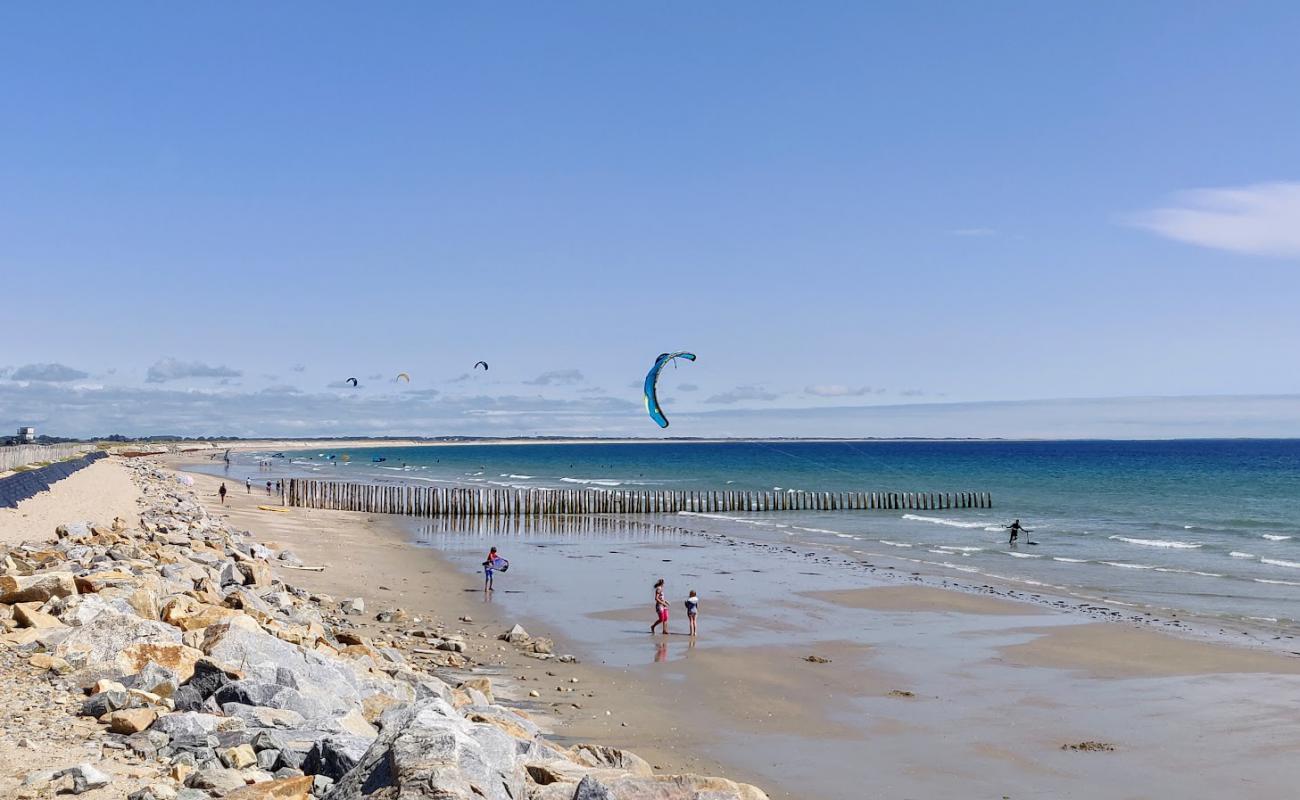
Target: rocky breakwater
pixel 189 661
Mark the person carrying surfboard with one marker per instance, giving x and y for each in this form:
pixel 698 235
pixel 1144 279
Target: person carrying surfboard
pixel 1016 528
pixel 493 563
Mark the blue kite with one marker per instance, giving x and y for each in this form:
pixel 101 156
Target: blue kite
pixel 651 383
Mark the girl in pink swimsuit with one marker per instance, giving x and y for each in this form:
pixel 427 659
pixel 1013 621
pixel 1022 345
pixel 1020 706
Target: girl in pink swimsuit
pixel 661 607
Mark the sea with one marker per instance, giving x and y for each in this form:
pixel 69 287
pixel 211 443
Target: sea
pixel 1207 527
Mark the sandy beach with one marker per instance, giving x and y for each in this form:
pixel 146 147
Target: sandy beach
pixel 926 691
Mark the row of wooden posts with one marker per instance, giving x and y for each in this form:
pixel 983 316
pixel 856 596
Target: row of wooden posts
pixel 430 501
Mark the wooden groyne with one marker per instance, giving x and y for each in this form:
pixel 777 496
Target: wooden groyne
pixel 430 501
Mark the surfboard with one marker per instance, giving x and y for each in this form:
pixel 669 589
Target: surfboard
pixel 273 508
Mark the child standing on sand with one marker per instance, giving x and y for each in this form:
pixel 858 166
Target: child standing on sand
pixel 661 608
pixel 692 609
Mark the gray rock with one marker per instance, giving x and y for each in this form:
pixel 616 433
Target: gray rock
pixel 335 756
pixel 187 699
pixel 97 705
pixel 268 759
pixel 192 794
pixel 591 789
pixel 229 575
pixel 86 777
pixel 156 679
pixel 157 791
pixel 291 758
pixel 99 640
pixel 207 678
pixel 272 695
pixel 182 723
pixel 354 606
pixel 320 784
pixel 269 740
pixel 262 717
pixel 435 752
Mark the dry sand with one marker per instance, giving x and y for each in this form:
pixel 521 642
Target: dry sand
pixel 97 493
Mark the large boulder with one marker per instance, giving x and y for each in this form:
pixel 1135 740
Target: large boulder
pixel 102 639
pixel 432 752
pixel 38 587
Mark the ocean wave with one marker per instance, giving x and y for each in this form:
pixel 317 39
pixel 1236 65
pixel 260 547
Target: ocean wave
pixel 1123 565
pixel 1238 554
pixel 1272 537
pixel 894 544
pixel 518 477
pixel 1277 562
pixel 1070 560
pixel 1168 543
pixel 1022 555
pixel 952 523
pixel 815 530
pixel 1278 583
pixel 959 547
pixel 592 481
pixel 1189 572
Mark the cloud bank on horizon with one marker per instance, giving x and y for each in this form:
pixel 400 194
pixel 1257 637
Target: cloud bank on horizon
pixel 283 410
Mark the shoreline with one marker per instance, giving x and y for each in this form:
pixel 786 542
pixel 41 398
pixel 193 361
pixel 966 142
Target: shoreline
pixel 865 678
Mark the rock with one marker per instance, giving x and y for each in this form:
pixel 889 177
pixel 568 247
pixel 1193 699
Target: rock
pixel 354 606
pixel 105 685
pixel 38 587
pixel 238 757
pixel 109 634
pixel 188 723
pixel 515 635
pixel 272 695
pixel 483 685
pixel 86 777
pixel 192 794
pixel 816 660
pixel 374 706
pixel 432 752
pixel 101 703
pixel 255 573
pixel 545 646
pixel 216 779
pixel 30 615
pixel 591 789
pixel 269 740
pixel 298 788
pixel 261 717
pixel 207 678
pixel 154 791
pixel 54 664
pixel 177 658
pixel 156 679
pixel 601 757
pixel 395 615
pixel 96 582
pixel 268 759
pixel 131 720
pixel 335 756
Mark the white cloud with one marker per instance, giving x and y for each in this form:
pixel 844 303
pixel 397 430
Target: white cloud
pixel 1260 219
pixel 53 373
pixel 557 377
pixel 171 369
pixel 839 390
pixel 740 394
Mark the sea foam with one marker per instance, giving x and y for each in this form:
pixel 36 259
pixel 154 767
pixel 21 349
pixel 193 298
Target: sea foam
pixel 1167 543
pixel 952 523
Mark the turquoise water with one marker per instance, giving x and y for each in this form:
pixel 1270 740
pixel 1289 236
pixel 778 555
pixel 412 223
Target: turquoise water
pixel 1206 526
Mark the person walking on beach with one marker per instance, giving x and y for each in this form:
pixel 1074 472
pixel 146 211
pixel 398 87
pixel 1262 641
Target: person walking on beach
pixel 490 566
pixel 222 492
pixel 248 485
pixel 268 488
pixel 661 608
pixel 692 609
pixel 1016 528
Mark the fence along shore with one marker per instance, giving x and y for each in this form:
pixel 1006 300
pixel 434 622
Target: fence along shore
pixel 431 501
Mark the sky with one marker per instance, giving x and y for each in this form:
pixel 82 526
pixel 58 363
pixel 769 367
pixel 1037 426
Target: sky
pixel 865 219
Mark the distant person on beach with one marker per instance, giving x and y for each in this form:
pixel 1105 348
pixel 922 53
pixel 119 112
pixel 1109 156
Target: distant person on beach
pixel 1016 529
pixel 692 609
pixel 268 487
pixel 222 492
pixel 489 567
pixel 248 484
pixel 661 608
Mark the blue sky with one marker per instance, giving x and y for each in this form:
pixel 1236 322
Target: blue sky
pixel 834 205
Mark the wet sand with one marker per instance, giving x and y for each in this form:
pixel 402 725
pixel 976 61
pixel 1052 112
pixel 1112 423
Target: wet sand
pixel 926 693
